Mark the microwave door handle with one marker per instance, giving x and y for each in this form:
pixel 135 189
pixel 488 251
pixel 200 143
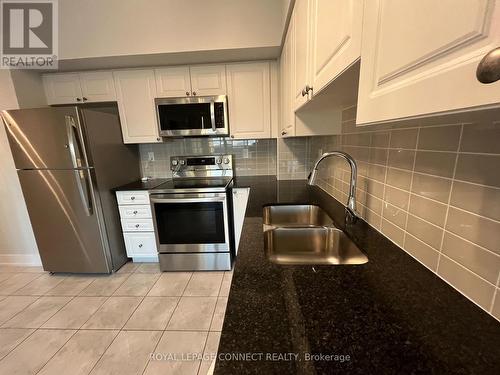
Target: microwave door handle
pixel 202 122
pixel 212 115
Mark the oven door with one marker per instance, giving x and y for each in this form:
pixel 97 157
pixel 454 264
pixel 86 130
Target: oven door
pixel 191 223
pixel 193 116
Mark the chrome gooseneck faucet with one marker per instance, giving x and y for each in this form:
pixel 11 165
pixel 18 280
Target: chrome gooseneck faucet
pixel 351 201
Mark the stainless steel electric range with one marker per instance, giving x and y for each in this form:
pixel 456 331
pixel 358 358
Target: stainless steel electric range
pixel 191 214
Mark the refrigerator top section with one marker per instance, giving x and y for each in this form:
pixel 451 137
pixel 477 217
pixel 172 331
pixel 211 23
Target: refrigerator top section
pixel 46 138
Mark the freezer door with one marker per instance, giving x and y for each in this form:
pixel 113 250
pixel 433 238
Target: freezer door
pixel 45 138
pixel 65 220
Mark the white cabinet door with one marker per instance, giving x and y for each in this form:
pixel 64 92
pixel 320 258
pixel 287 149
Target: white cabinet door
pixel 420 57
pixel 173 82
pixel 97 87
pixel 62 88
pixel 135 92
pixel 287 118
pixel 335 39
pixel 299 26
pixel 240 200
pixel 249 98
pixel 208 80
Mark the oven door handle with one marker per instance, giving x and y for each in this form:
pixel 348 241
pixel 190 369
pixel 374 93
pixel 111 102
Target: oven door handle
pixel 212 115
pixel 186 200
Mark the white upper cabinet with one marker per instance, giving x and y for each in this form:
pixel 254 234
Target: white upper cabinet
pixel 335 39
pixel 249 98
pixel 97 87
pixel 136 91
pixel 70 88
pixel 173 81
pixel 299 27
pixel 62 88
pixel 325 41
pixel 420 57
pixel 208 80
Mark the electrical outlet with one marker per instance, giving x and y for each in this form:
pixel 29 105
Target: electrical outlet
pixel 245 153
pixel 151 156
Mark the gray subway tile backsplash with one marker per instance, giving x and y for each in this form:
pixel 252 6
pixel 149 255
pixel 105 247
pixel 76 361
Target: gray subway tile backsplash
pixel 251 156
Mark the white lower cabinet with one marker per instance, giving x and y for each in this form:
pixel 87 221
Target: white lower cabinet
pixel 137 225
pixel 140 245
pixel 240 200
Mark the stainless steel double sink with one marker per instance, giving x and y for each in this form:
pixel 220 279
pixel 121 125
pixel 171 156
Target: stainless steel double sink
pixel 305 234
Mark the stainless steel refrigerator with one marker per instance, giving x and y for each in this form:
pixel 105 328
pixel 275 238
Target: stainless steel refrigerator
pixel 68 159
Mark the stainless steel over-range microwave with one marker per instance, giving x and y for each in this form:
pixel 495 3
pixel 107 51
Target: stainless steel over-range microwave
pixel 192 116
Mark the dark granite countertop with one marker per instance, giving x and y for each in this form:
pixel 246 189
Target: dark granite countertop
pixel 390 316
pixel 139 185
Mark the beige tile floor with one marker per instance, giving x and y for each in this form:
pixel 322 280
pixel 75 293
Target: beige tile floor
pixel 137 321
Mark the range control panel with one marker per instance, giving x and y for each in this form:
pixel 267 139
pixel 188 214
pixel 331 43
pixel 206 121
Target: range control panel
pixel 202 163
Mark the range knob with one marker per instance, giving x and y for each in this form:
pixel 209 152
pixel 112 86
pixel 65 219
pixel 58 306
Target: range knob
pixel 218 160
pixel 175 162
pixel 183 162
pixel 226 160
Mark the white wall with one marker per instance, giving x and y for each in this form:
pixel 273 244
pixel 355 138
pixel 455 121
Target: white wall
pixel 17 242
pixel 96 28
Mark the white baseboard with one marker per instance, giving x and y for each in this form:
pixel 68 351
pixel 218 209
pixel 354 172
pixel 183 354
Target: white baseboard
pixel 20 259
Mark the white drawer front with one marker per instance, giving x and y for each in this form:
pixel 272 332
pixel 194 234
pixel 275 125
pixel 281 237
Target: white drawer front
pixel 140 244
pixel 132 197
pixel 135 211
pixel 137 225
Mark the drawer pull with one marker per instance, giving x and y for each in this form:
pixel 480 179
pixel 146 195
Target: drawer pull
pixel 135 212
pixel 137 225
pixel 140 245
pixel 132 198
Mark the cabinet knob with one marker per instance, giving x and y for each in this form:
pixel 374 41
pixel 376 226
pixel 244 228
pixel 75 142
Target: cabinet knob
pixel 140 245
pixel 158 139
pixel 78 99
pixel 132 198
pixel 194 93
pixel 84 99
pixel 232 136
pixel 283 132
pixel 135 212
pixel 187 93
pixel 306 90
pixel 137 225
pixel 488 70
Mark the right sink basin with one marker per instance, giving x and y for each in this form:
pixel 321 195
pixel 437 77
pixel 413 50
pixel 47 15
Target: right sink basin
pixel 305 234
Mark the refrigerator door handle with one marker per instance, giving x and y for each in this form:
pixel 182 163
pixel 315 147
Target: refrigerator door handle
pixel 82 176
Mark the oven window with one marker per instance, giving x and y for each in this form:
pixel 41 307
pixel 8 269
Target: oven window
pixel 190 223
pixel 184 116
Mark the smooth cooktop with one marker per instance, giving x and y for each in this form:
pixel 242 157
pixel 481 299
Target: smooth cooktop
pixel 194 185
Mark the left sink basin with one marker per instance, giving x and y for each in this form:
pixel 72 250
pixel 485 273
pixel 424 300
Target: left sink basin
pixel 311 245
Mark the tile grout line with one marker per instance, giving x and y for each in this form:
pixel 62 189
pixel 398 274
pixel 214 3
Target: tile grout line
pixel 385 179
pixel 449 198
pixel 405 230
pixel 495 294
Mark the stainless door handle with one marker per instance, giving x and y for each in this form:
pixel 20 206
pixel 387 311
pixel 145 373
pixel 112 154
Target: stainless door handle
pixel 488 70
pixel 187 200
pixel 81 176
